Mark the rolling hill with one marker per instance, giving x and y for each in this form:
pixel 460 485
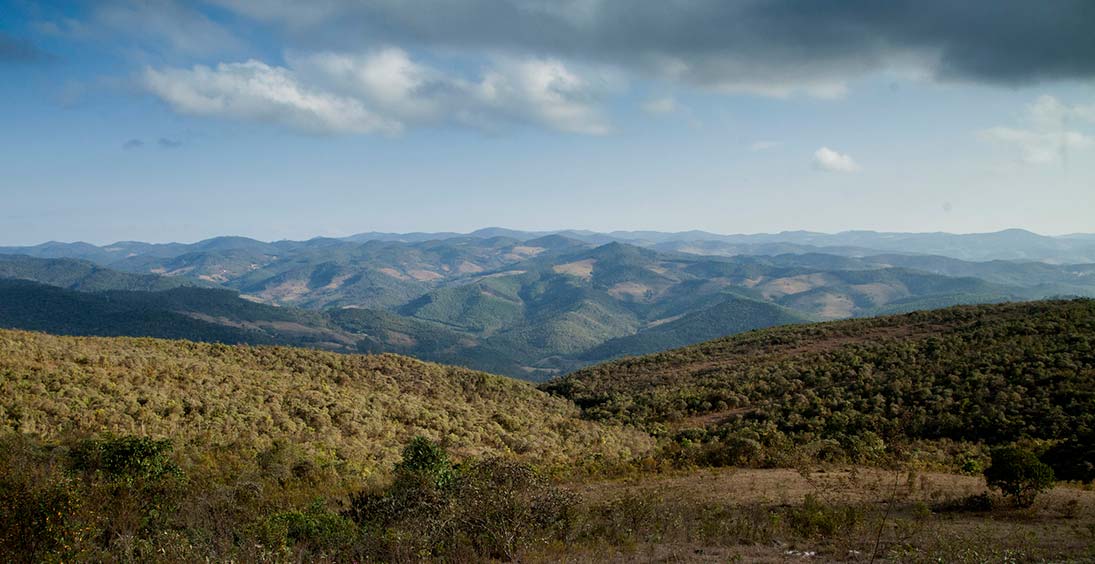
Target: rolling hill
pixel 347 409
pixel 979 374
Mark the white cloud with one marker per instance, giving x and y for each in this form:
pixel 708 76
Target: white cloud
pixel 829 160
pixel 763 145
pixel 383 90
pixel 386 79
pixel 1046 135
pixel 666 105
pixel 255 91
pixel 544 91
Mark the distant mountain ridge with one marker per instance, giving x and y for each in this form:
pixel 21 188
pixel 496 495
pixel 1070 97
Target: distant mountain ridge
pixel 1008 244
pixel 525 304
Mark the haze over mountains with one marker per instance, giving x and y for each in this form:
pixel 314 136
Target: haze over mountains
pixel 526 304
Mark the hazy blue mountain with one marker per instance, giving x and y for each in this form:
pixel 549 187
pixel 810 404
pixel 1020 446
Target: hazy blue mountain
pixel 1010 244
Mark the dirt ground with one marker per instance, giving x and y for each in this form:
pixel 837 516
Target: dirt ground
pixel 903 519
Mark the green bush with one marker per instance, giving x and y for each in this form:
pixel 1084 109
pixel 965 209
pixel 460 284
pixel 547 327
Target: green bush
pixel 315 531
pixel 1018 474
pixel 817 519
pixel 125 459
pixel 425 460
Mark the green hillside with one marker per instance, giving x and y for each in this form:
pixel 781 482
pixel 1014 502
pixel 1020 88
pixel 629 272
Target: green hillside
pixel 198 314
pixel 727 317
pixel 83 275
pixel 974 374
pixel 37 307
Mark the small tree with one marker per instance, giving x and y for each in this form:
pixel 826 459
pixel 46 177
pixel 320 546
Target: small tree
pixel 1018 474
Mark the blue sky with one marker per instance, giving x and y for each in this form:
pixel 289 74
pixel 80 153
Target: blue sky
pixel 159 120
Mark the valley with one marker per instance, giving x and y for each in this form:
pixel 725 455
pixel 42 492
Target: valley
pixel 528 305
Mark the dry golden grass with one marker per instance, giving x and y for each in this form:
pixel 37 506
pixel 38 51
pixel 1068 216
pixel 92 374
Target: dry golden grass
pixel 707 515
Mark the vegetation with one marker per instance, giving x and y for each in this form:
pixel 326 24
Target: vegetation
pixel 85 276
pixel 1019 474
pixel 132 503
pixel 929 384
pixel 345 414
pixel 121 449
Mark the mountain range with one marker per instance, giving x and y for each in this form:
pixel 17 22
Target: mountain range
pixel 526 304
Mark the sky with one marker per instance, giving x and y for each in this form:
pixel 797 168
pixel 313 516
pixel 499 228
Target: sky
pixel 165 120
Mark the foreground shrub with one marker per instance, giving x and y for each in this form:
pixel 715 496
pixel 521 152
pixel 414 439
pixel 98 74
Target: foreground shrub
pixel 492 508
pixel 817 519
pixel 39 516
pixel 503 507
pixel 1018 474
pixel 314 533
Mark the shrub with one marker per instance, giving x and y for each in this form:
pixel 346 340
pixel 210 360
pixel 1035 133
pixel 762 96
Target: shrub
pixel 132 480
pixel 424 460
pixel 493 507
pixel 817 519
pixel 38 519
pixel 316 530
pixel 125 459
pixel 1073 459
pixel 1018 474
pixel 504 506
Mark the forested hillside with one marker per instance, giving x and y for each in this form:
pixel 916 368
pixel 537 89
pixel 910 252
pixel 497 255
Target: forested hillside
pixel 975 374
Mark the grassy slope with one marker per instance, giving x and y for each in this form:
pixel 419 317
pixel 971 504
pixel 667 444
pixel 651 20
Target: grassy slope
pixel 353 409
pixel 989 373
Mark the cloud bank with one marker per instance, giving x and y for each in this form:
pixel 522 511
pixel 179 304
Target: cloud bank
pixel 382 91
pixel 347 68
pixel 774 47
pixel 1049 132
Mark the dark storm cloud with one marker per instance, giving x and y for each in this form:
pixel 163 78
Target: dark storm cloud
pixel 726 41
pixel 17 50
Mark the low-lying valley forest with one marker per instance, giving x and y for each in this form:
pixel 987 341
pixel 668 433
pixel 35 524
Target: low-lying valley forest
pixel 964 434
